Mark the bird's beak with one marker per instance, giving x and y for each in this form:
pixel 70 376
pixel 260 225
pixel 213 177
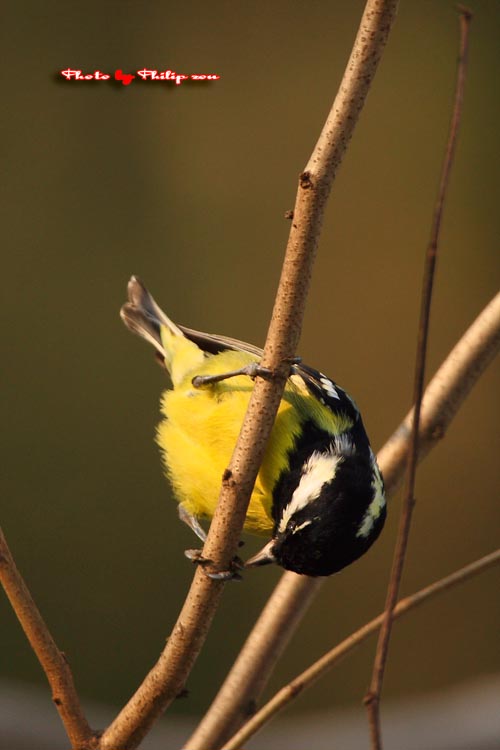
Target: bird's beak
pixel 264 557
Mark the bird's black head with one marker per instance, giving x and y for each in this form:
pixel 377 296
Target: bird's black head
pixel 335 513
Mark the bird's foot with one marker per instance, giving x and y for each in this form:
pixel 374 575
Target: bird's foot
pixel 232 574
pixel 253 370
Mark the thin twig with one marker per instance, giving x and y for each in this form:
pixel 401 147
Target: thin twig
pixel 168 676
pixel 443 397
pixel 314 188
pixel 372 698
pixel 52 660
pixel 323 665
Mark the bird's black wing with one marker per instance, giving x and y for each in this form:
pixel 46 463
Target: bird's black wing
pixel 212 343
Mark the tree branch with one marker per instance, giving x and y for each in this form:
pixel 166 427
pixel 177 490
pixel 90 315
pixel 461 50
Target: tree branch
pixel 372 698
pixel 443 397
pixel 52 660
pixel 323 665
pixel 446 392
pixel 168 676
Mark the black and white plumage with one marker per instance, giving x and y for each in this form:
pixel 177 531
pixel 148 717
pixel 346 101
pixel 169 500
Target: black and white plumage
pixel 329 506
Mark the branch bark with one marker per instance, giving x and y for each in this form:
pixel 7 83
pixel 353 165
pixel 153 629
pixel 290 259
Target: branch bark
pixel 168 676
pixel 323 665
pixel 443 397
pixel 52 660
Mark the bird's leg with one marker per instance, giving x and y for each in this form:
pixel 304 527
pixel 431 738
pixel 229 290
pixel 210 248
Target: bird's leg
pixel 192 522
pixel 253 370
pixel 196 555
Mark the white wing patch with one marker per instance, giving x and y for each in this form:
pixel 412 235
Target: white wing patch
pixel 328 386
pixel 377 504
pixel 319 469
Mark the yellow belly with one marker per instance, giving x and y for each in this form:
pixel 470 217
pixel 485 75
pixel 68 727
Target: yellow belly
pixel 197 439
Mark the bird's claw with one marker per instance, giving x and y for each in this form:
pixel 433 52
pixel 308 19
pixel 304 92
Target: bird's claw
pixel 224 575
pixel 232 574
pixel 196 557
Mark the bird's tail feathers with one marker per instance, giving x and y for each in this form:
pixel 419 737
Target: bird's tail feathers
pixel 144 317
pixel 141 315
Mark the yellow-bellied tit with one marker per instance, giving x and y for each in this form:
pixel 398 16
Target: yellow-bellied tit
pixel 319 493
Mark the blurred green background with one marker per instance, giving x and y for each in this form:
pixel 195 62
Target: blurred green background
pixel 188 186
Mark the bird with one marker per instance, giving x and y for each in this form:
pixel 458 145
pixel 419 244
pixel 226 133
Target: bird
pixel 319 494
